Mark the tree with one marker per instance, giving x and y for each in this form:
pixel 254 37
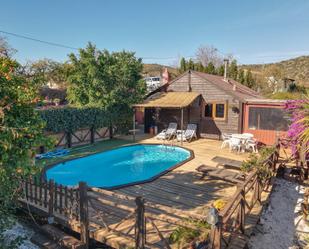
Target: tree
pixel 108 80
pixel 21 133
pixel 241 76
pixel 5 49
pixel 190 65
pixel 233 70
pixel 199 67
pixel 49 72
pixel 206 54
pixel 220 70
pixel 183 65
pixel 249 81
pixel 210 68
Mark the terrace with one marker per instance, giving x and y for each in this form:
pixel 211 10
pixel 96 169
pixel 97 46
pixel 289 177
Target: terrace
pixel 170 200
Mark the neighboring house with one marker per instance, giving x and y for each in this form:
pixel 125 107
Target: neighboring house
pixel 282 85
pixel 216 104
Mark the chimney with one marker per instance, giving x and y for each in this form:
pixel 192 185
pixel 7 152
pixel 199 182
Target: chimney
pixel 165 76
pixel 226 63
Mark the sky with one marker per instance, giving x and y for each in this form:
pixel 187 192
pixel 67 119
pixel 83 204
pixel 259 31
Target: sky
pixel 159 31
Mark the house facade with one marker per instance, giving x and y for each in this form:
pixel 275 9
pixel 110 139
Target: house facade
pixel 219 106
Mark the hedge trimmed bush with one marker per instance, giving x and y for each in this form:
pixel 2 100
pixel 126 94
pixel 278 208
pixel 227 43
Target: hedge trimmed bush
pixel 70 119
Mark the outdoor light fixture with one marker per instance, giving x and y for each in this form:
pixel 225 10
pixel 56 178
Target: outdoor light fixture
pixel 212 216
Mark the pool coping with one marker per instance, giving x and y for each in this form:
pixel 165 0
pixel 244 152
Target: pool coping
pixel 191 157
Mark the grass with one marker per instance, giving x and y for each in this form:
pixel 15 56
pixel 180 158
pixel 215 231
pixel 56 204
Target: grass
pixel 85 150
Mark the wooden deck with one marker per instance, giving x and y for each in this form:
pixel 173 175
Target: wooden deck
pixel 169 200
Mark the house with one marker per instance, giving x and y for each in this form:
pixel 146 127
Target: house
pixel 215 103
pixel 281 85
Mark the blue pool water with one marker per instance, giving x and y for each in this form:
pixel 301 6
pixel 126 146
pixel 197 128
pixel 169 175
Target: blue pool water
pixel 124 165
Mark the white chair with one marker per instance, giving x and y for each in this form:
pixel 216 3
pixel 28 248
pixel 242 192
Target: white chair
pixel 247 135
pixel 188 134
pixel 251 144
pixel 168 133
pixel 226 140
pixel 235 143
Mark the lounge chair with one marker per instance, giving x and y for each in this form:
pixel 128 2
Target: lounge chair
pixel 168 133
pixel 188 134
pixel 52 154
pixel 222 174
pixel 227 162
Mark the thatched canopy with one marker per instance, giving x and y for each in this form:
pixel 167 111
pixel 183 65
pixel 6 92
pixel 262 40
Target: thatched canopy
pixel 169 100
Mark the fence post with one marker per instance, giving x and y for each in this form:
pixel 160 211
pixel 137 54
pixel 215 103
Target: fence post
pixel 111 135
pixel 69 139
pixel 215 234
pixel 92 135
pixel 83 214
pixel 51 201
pixel 140 224
pixel 242 212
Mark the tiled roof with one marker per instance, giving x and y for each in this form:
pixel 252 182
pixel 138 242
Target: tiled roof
pixel 230 86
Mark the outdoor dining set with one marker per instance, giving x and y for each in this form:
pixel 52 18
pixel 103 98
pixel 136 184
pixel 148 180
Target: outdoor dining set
pixel 239 142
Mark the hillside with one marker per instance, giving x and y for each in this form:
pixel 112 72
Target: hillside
pixel 157 69
pixel 296 68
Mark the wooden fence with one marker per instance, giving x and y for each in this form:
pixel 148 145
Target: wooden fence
pixel 83 136
pixel 75 208
pixel 231 220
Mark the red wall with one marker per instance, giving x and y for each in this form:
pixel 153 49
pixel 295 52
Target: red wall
pixel 267 137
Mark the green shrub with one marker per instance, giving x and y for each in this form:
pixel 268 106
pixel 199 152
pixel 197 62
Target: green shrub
pixel 257 162
pixel 184 235
pixel 70 119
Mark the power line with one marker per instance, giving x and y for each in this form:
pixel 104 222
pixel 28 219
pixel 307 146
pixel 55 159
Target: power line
pixel 38 40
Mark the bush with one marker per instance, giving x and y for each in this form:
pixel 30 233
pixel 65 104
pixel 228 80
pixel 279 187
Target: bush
pixel 70 119
pixel 50 93
pixel 257 162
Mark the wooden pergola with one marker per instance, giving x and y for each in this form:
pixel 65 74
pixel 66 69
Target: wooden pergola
pixel 168 100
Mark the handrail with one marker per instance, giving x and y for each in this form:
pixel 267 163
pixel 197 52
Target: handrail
pixel 234 212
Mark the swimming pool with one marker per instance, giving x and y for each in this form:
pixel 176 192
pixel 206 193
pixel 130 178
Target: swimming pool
pixel 119 167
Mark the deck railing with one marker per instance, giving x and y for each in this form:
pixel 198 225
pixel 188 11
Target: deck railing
pixel 231 220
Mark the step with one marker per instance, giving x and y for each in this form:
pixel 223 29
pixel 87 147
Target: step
pixel 63 239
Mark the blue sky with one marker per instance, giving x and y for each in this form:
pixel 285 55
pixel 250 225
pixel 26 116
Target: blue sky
pixel 161 30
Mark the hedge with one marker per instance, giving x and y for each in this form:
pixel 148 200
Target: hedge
pixel 70 119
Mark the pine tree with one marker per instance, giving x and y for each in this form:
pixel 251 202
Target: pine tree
pixel 190 65
pixel 199 67
pixel 210 68
pixel 183 65
pixel 233 70
pixel 241 76
pixel 220 70
pixel 249 81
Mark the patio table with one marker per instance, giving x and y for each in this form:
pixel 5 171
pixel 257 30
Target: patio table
pixel 243 139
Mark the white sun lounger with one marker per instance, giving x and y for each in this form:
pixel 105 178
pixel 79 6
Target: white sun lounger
pixel 188 134
pixel 168 133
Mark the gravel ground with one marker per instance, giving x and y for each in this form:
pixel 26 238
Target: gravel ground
pixel 23 231
pixel 277 228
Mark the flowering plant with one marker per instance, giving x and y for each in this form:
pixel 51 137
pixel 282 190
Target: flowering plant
pixel 298 132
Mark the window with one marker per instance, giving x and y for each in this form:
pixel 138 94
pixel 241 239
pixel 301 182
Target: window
pixel 220 111
pixel 208 110
pixel 216 110
pixel 263 118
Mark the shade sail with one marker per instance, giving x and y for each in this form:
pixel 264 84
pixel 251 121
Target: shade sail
pixel 169 100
